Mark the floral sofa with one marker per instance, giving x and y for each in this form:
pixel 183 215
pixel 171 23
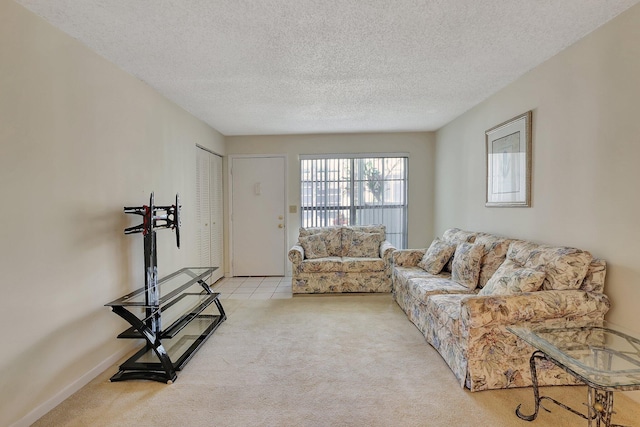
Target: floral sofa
pixel 466 289
pixel 341 259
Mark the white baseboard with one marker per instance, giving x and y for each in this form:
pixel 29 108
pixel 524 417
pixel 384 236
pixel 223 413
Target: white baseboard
pixel 67 391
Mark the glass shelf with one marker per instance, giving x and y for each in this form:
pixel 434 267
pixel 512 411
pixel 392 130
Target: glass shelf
pixel 187 306
pixel 180 348
pixel 168 287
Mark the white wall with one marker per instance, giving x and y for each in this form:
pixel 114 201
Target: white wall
pixel 79 139
pixel 586 146
pixel 420 147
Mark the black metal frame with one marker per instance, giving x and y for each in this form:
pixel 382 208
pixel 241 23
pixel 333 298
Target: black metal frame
pixel 599 399
pixel 165 370
pixel 132 370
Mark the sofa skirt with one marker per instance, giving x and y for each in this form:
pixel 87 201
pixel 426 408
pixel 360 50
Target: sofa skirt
pixel 341 282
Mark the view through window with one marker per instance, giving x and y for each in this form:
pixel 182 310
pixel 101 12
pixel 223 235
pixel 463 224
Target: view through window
pixel 356 191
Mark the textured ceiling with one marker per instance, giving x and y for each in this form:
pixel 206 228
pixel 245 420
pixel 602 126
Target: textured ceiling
pixel 262 67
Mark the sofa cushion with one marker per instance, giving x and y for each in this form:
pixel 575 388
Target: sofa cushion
pixel 417 272
pixel 321 265
pixel 375 228
pixel 596 273
pixel 347 234
pixel 455 235
pixel 511 278
pixel 458 236
pixel 495 252
pixel 421 288
pixel 314 246
pixel 437 255
pixel 332 237
pixel 365 245
pixel 466 264
pixel 402 275
pixel 362 265
pixel 565 267
pixel 407 257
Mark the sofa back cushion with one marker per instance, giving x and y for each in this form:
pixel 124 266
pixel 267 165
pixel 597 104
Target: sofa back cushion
pixel 348 231
pixel 495 252
pixel 366 245
pixel 332 237
pixel 338 240
pixel 565 267
pixel 457 235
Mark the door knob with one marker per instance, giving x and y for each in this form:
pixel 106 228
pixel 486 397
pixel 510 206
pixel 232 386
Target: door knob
pixel 280 226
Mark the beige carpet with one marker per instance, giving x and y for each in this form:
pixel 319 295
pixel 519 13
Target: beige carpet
pixel 314 361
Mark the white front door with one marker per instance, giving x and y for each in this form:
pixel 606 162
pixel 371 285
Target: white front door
pixel 257 216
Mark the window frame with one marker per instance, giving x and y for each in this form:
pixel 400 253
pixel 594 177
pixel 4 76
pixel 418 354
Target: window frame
pixel 309 178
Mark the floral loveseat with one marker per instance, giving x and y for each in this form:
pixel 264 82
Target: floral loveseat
pixel 478 284
pixel 341 259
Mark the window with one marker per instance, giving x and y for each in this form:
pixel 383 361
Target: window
pixel 356 190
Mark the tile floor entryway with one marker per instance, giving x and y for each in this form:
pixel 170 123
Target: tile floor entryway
pixel 253 287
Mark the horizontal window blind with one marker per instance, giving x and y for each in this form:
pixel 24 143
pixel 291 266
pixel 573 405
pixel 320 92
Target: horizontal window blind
pixel 355 190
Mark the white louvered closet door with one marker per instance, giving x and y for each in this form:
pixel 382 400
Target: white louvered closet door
pixel 209 211
pixel 216 216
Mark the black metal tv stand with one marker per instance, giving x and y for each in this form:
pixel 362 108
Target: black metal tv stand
pixel 183 300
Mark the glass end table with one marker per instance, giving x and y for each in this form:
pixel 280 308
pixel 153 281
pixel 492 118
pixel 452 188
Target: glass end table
pixel 604 357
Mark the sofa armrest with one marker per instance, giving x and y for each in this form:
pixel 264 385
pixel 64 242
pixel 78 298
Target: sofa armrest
pixel 479 311
pixel 296 254
pixel 408 257
pixel 386 251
